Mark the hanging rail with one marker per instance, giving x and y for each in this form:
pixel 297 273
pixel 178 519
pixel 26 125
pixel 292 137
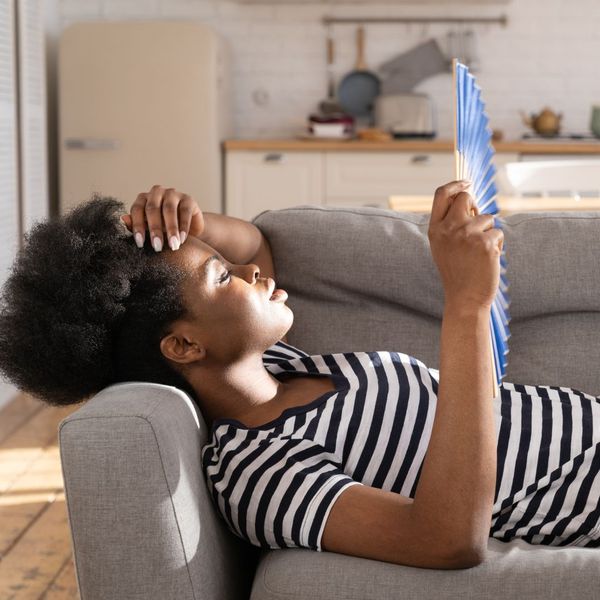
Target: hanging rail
pixel 503 20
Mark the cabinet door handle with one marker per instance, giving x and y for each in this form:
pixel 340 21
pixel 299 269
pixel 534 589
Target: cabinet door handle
pixel 91 144
pixel 273 157
pixel 420 158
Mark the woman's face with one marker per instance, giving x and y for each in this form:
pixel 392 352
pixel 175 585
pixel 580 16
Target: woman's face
pixel 229 306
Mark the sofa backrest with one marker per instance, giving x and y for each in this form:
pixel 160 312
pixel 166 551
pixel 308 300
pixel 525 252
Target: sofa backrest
pixel 363 279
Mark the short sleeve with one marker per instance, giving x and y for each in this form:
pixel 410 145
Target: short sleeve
pixel 283 503
pixel 280 352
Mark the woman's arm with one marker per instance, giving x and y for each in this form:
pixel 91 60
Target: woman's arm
pixel 458 478
pixel 446 525
pixel 455 495
pixel 237 240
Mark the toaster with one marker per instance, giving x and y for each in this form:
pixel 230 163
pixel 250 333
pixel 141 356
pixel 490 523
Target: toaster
pixel 406 115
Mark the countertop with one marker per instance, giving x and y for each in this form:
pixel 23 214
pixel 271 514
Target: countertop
pixel 506 204
pixel 412 145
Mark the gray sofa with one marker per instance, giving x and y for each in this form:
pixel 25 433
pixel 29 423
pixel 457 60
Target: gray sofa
pixel 143 525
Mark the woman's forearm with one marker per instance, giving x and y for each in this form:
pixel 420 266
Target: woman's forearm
pixel 455 494
pixel 237 240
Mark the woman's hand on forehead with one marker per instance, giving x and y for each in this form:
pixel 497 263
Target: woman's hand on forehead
pixel 164 210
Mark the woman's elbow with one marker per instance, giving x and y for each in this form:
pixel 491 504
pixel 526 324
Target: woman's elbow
pixel 472 557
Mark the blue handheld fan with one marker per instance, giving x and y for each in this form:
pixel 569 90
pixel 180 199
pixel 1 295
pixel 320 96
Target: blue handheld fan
pixel 473 153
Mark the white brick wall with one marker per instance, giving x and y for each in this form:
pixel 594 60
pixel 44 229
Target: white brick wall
pixel 547 55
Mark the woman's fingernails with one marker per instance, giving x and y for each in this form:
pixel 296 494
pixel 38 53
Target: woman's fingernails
pixel 139 239
pixel 157 244
pixel 174 242
pixel 465 182
pixel 182 236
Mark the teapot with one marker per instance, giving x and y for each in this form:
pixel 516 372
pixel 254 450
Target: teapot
pixel 545 123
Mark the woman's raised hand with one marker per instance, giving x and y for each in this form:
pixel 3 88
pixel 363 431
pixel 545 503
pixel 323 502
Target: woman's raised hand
pixel 164 209
pixel 466 247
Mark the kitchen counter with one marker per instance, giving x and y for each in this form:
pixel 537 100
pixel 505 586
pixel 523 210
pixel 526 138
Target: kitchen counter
pixel 265 174
pixel 507 204
pixel 410 145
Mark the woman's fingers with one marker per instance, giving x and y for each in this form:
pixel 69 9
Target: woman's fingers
pixel 138 219
pixel 185 212
pixel 169 212
pixel 461 209
pixel 126 221
pixel 480 223
pixel 165 210
pixel 154 217
pixel 161 212
pixel 191 218
pixel 442 199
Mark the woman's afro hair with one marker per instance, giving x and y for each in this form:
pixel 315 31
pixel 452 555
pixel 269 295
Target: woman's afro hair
pixel 83 307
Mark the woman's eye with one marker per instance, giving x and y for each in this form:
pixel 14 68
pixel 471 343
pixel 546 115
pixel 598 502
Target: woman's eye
pixel 225 277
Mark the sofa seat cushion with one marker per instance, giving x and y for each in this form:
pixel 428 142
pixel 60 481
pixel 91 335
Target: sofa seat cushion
pixel 511 570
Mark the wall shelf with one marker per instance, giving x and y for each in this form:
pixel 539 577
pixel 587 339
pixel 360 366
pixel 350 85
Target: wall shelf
pixel 502 20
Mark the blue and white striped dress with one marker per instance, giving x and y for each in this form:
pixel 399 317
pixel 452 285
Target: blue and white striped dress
pixel 275 484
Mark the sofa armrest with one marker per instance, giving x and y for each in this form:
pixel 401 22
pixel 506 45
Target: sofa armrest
pixel 142 522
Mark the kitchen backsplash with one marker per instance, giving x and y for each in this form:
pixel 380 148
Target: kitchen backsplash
pixel 547 55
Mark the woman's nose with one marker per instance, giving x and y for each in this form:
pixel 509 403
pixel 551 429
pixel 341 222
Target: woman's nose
pixel 251 272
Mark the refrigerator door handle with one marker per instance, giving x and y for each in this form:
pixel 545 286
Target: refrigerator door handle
pixel 91 144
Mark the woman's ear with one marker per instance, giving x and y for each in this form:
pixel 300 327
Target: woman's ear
pixel 180 348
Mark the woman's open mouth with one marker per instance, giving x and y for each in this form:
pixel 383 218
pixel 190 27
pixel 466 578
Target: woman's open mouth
pixel 279 296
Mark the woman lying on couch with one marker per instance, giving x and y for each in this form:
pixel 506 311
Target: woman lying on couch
pixel 319 451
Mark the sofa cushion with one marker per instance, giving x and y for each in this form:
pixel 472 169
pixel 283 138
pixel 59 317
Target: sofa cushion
pixel 512 570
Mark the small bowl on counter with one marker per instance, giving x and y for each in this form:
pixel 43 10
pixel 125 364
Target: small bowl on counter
pixel 335 125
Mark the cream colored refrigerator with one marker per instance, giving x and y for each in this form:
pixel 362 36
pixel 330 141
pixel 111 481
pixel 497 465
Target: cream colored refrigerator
pixel 142 103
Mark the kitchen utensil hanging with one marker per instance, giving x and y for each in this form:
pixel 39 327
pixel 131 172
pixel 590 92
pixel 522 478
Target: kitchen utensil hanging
pixel 406 70
pixel 359 88
pixel 470 50
pixel 473 152
pixel 330 105
pixel 462 44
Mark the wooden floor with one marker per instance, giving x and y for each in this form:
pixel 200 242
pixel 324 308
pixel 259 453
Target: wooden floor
pixel 35 545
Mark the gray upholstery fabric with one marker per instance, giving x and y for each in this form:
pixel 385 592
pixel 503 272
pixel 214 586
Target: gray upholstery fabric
pixel 358 279
pixel 513 571
pixel 143 525
pixel 363 279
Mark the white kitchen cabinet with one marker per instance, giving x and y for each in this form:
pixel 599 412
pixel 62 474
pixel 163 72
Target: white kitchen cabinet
pixel 258 181
pixel 357 179
pixel 262 180
pixel 370 178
